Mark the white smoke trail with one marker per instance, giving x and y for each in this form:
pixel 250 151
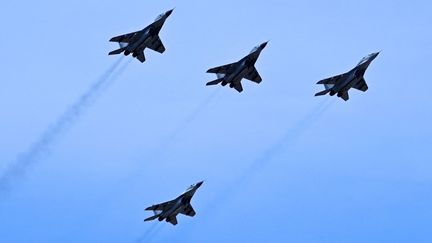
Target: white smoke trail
pixel 187 121
pixel 291 136
pixel 160 150
pixel 150 233
pixel 39 149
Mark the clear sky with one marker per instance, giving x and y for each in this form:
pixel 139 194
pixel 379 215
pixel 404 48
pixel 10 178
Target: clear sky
pixel 279 164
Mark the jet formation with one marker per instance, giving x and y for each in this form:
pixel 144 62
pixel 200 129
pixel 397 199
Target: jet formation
pixel 135 43
pixel 233 73
pixel 148 37
pixel 340 84
pixel 169 210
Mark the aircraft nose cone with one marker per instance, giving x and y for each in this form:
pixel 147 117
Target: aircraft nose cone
pixel 199 183
pixel 263 45
pixel 168 13
pixel 373 56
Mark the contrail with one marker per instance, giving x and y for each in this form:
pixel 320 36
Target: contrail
pixel 158 151
pixel 150 233
pixel 39 149
pixel 188 120
pixel 137 173
pixel 290 137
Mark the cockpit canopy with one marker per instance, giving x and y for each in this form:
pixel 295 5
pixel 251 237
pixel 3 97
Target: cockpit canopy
pixel 366 58
pixel 159 17
pixel 254 49
pixel 190 187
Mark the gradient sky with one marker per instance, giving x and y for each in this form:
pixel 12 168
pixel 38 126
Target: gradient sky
pixel 279 164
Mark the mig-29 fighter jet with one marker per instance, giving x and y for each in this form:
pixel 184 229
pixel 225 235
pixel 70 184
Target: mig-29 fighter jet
pixel 340 84
pixel 182 204
pixel 233 73
pixel 136 42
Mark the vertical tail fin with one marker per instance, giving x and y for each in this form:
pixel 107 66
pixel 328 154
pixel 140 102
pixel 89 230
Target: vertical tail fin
pixel 344 95
pixel 140 56
pixel 172 220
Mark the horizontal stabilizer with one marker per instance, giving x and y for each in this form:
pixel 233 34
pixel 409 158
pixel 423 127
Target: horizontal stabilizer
pixel 324 92
pixel 118 51
pixel 215 82
pixel 151 218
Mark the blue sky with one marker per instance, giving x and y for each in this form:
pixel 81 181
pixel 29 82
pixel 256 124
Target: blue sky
pixel 279 164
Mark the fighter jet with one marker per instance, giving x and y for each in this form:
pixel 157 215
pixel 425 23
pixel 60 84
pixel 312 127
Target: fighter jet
pixel 148 37
pixel 340 84
pixel 168 210
pixel 233 73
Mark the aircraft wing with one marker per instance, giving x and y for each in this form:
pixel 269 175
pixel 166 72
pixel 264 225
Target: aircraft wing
pixel 253 76
pixel 126 38
pixel 189 211
pixel 161 206
pixel 157 45
pixel 333 80
pixel 361 85
pixel 221 69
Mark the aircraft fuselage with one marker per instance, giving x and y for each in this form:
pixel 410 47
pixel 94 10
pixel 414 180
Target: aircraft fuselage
pixel 346 84
pixel 352 78
pixel 243 67
pixel 181 202
pixel 176 209
pixel 147 37
pixel 139 44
